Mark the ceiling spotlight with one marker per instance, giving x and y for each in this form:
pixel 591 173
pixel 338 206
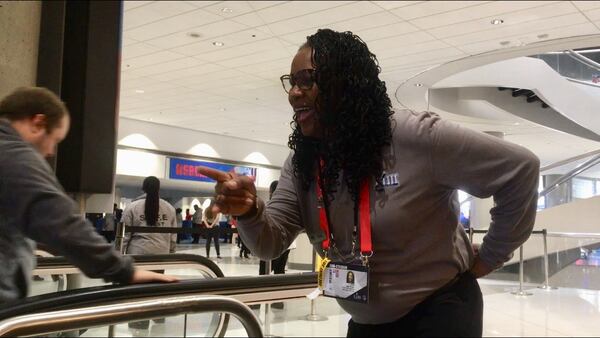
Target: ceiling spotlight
pixel 194 35
pixel 504 43
pixel 497 21
pixel 226 10
pixel 418 85
pixel 218 43
pixel 517 124
pixel 139 91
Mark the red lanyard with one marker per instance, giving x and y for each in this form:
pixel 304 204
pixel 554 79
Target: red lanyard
pixel 366 245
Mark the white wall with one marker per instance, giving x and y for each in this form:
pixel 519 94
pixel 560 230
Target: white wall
pixel 152 136
pixel 186 141
pixel 304 252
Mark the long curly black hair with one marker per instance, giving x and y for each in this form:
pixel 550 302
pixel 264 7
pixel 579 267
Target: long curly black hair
pixel 354 111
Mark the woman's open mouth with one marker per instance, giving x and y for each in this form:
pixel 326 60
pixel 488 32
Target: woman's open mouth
pixel 303 113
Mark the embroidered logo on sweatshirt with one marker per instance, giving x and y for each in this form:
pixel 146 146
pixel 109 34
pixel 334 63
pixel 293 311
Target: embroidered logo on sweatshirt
pixel 388 180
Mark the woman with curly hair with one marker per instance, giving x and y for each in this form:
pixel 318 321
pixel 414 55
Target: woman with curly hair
pixel 376 193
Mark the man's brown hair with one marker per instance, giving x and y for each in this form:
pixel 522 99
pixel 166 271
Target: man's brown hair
pixel 26 102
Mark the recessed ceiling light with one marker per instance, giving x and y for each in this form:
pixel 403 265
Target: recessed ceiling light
pixel 497 21
pixel 139 91
pixel 418 85
pixel 226 10
pixel 517 124
pixel 194 35
pixel 218 43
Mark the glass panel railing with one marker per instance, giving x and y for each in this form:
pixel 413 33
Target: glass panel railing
pixel 569 182
pixel 573 65
pixel 553 259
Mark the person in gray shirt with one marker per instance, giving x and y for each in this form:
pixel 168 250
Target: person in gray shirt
pixel 355 162
pixel 33 205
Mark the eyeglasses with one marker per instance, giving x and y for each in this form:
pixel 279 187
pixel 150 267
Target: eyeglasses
pixel 304 79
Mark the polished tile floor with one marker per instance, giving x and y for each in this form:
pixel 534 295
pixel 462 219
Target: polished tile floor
pixel 566 311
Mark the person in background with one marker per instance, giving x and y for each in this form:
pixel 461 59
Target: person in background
pixel 244 252
pixel 211 221
pixel 188 216
pixel 376 192
pixel 110 221
pixel 179 220
pixel 34 206
pixel 225 226
pixel 187 223
pixel 149 210
pixel 197 222
pixel 466 223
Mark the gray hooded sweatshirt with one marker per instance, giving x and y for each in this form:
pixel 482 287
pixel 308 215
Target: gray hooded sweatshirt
pixel 418 243
pixel 33 206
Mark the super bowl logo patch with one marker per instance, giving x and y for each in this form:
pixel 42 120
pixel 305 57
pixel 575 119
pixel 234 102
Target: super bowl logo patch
pixel 388 180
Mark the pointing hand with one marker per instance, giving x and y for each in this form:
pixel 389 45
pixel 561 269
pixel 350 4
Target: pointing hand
pixel 234 194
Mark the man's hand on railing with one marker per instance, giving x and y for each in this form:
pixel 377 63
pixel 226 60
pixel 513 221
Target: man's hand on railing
pixel 143 276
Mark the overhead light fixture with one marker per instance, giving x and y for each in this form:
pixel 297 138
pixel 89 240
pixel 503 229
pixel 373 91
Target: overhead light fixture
pixel 517 124
pixel 418 85
pixel 139 91
pixel 504 43
pixel 194 35
pixel 218 43
pixel 497 21
pixel 226 10
pixel 542 36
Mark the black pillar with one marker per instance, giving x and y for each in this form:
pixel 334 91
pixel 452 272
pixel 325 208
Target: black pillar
pixel 80 60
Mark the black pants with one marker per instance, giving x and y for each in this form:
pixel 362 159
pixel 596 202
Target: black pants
pixel 453 311
pixel 243 248
pixel 212 233
pixel 196 236
pixel 277 265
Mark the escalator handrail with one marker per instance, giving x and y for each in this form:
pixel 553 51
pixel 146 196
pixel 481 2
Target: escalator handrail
pixel 110 293
pixel 51 262
pixel 94 316
pixel 582 59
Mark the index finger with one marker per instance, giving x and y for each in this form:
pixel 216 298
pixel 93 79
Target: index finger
pixel 217 175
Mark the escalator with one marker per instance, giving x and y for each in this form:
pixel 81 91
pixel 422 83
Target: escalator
pixel 248 290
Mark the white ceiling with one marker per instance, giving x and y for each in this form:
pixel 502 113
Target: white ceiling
pixel 234 89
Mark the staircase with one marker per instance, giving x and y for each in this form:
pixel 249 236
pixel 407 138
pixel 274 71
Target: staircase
pixel 529 95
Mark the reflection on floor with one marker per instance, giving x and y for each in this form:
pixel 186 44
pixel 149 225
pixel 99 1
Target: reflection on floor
pixel 561 312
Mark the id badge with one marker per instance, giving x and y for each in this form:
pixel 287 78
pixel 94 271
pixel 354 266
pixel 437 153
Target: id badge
pixel 348 282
